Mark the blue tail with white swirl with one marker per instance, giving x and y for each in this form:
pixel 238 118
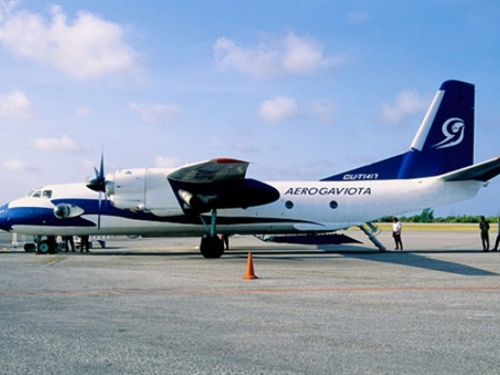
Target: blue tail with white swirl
pixel 444 141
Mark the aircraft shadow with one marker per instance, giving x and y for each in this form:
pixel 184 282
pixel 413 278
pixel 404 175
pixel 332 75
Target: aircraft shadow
pixel 414 258
pixel 408 259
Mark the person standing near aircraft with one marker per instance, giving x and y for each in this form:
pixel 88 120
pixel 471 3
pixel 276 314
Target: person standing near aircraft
pixel 84 244
pixel 498 236
pixel 225 239
pixel 69 243
pixel 396 233
pixel 485 237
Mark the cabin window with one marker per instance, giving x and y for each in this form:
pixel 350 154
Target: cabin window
pixel 289 204
pixel 333 205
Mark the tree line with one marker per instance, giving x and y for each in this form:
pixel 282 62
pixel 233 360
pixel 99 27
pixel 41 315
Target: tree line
pixel 427 216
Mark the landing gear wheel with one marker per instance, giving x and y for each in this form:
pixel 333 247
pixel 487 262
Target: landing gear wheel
pixel 211 247
pixel 30 247
pixel 48 246
pixel 43 247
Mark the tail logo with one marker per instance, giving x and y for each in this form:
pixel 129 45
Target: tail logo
pixel 453 131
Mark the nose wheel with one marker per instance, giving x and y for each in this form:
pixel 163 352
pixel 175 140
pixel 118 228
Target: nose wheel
pixel 47 246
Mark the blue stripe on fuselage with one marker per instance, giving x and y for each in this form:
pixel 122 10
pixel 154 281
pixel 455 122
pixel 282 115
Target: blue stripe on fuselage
pixel 4 222
pixel 40 216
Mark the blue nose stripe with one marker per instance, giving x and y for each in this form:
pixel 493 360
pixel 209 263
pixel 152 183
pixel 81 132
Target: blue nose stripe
pixel 4 218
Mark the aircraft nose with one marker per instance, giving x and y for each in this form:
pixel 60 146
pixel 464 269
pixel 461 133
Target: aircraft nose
pixel 4 217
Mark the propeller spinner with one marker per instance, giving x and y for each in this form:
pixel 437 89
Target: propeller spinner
pixel 98 183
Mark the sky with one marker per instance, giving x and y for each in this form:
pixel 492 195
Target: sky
pixel 300 89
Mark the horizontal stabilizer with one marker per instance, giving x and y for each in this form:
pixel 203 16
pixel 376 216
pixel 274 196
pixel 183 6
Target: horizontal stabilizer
pixel 484 171
pixel 322 239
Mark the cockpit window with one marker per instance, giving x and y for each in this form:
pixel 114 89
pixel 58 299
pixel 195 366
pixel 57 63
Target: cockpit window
pixel 39 193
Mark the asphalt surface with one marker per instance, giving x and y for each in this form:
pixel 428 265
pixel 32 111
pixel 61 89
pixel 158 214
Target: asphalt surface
pixel 157 307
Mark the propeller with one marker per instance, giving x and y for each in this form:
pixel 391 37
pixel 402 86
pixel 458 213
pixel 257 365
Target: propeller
pixel 98 183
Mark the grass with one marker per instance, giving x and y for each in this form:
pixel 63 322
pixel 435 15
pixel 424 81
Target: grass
pixel 444 227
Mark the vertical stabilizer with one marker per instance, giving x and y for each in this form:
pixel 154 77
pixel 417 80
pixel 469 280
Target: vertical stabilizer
pixel 444 142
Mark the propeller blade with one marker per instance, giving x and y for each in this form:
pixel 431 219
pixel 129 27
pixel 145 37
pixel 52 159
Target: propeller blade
pixel 101 170
pixel 98 183
pixel 99 211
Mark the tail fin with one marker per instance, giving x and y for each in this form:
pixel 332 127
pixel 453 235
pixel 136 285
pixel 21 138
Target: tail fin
pixel 444 141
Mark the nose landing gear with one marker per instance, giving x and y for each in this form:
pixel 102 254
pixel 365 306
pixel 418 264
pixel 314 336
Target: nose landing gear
pixel 47 246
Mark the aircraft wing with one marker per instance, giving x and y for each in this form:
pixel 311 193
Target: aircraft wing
pixel 219 183
pixel 214 170
pixel 484 171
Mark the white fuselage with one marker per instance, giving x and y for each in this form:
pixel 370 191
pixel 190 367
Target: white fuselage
pixel 312 206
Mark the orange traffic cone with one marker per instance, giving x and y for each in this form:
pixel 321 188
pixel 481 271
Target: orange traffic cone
pixel 250 275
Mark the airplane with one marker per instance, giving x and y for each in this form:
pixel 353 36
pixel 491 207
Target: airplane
pixel 214 197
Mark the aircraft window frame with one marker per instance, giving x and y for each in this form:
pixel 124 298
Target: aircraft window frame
pixel 36 194
pixel 47 194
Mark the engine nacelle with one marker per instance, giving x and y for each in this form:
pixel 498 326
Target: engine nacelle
pixel 144 190
pixel 67 211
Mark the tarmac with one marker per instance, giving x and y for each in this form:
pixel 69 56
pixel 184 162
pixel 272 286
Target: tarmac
pixel 155 306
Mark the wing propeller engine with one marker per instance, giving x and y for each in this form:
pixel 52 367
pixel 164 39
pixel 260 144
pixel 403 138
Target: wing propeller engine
pixel 98 183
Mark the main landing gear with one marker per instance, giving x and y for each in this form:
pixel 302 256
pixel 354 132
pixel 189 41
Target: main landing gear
pixel 211 245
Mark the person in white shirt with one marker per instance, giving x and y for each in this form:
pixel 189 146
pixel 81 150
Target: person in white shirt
pixel 396 233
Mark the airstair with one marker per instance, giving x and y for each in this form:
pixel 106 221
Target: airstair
pixel 372 231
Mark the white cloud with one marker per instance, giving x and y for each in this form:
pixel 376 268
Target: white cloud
pixel 289 55
pixel 89 165
pixel 279 109
pixel 82 111
pixel 15 105
pixel 6 7
pixel 152 113
pixel 16 165
pixel 56 144
pixel 85 47
pixel 358 17
pixel 168 162
pixel 323 111
pixel 302 55
pixel 409 102
pixel 245 147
